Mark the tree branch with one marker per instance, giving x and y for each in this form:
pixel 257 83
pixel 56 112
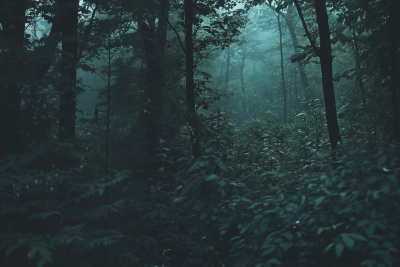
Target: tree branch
pixel 87 33
pixel 177 34
pixel 306 29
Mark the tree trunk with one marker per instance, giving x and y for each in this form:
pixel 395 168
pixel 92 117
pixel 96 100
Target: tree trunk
pixel 358 67
pixel 302 71
pixel 325 55
pixel 242 81
pixel 68 71
pixel 35 127
pixel 393 9
pixel 228 63
pixel 190 97
pixel 13 24
pixel 282 72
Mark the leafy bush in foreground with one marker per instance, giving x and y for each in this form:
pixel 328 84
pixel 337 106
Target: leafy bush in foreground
pixel 50 219
pixel 351 217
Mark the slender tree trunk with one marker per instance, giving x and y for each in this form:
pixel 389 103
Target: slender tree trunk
pixel 282 71
pixel 222 69
pixel 393 9
pixel 148 117
pixel 68 72
pixel 190 97
pixel 13 24
pixel 295 86
pixel 228 63
pixel 358 67
pixel 242 81
pixel 154 43
pixel 325 55
pixel 302 71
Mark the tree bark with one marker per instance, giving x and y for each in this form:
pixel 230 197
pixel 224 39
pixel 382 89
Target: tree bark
pixel 228 63
pixel 358 67
pixel 242 80
pixel 68 71
pixel 325 55
pixel 190 97
pixel 302 71
pixel 393 9
pixel 12 61
pixel 282 72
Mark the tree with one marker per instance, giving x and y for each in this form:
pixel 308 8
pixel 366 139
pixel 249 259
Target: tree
pixel 393 26
pixel 12 19
pixel 190 96
pixel 68 71
pixel 325 55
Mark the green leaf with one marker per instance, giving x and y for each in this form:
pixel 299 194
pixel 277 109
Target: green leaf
pixel 339 249
pixel 321 229
pixel 347 240
pixel 371 229
pixel 203 215
pixel 41 263
pixel 318 201
pixel 275 261
pixel 372 215
pixel 357 236
pixel 329 247
pixel 212 177
pixel 382 160
pixel 386 188
pixel 246 199
pixel 269 249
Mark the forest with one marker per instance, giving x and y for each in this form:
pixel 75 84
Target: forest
pixel 199 133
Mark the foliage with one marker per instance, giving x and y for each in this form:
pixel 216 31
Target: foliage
pixel 48 217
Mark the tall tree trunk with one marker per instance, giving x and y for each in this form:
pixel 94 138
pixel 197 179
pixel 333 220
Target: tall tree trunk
pixel 358 67
pixel 325 55
pixel 393 22
pixel 228 63
pixel 242 80
pixel 35 127
pixel 13 24
pixel 282 71
pixel 154 42
pixel 190 97
pixel 68 71
pixel 148 118
pixel 302 71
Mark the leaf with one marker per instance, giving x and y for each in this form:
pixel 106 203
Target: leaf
pixel 246 199
pixel 41 263
pixel 275 261
pixel 371 229
pixel 339 249
pixel 382 160
pixel 268 250
pixel 372 215
pixel 347 241
pixel 212 177
pixel 357 236
pixel 386 188
pixel 318 201
pixel 285 245
pixel 328 247
pixel 203 215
